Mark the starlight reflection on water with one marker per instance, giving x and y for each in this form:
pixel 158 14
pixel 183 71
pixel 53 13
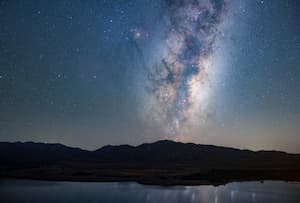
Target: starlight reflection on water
pixel 43 191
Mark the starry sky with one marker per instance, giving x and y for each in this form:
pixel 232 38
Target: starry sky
pixel 91 73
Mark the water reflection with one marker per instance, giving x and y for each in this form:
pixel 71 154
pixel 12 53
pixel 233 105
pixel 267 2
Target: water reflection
pixel 247 192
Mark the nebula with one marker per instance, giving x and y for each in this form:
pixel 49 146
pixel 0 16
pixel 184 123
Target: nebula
pixel 178 81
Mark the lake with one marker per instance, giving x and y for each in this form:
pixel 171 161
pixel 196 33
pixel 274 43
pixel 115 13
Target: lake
pixel 47 191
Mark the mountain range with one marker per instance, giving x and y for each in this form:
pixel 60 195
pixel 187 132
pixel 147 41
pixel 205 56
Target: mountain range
pixel 163 162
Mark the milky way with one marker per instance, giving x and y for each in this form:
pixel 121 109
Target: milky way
pixel 90 73
pixel 192 30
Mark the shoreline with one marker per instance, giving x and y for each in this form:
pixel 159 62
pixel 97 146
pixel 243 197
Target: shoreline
pixel 215 177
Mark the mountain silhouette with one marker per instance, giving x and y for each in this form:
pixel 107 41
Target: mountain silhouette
pixel 161 162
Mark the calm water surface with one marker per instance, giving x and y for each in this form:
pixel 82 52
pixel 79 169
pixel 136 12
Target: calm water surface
pixel 43 191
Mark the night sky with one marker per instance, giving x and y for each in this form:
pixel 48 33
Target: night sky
pixel 91 73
